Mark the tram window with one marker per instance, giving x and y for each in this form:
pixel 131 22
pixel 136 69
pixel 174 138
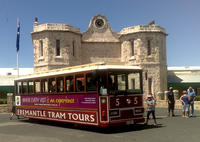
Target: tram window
pixel 121 82
pixel 90 83
pixel 44 85
pixel 52 85
pixel 37 86
pixel 134 82
pixel 102 81
pixel 24 86
pixel 69 84
pixel 111 81
pixel 30 87
pixel 60 84
pixel 80 83
pixel 19 85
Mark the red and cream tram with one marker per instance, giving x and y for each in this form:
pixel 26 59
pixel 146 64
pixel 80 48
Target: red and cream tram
pixel 93 94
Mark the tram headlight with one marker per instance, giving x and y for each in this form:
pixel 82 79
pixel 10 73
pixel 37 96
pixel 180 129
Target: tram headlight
pixel 128 101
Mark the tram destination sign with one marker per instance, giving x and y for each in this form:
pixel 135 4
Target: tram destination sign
pixel 86 117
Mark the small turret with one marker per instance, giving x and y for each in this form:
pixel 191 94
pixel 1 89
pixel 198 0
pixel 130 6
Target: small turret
pixel 35 23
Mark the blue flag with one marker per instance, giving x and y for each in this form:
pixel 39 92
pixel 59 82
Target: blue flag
pixel 18 35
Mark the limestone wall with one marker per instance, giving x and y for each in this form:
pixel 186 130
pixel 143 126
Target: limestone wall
pixel 70 50
pixel 95 52
pixel 154 65
pixel 4 108
pixel 178 104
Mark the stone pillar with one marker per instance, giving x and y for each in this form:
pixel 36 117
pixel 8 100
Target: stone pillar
pixel 160 96
pixel 176 94
pixel 9 101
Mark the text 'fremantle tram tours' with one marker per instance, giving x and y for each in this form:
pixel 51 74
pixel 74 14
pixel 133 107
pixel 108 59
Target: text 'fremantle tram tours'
pixel 93 94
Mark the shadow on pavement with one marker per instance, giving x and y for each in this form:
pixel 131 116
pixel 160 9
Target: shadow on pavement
pixel 107 130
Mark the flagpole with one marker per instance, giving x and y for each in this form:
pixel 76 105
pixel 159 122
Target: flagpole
pixel 17 63
pixel 17 45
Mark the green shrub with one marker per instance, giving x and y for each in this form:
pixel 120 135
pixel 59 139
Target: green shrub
pixel 197 98
pixel 3 94
pixel 3 101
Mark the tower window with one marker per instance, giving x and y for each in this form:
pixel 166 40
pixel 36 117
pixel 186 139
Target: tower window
pixel 57 47
pixel 132 47
pixel 41 48
pixel 150 85
pixel 149 47
pixel 73 48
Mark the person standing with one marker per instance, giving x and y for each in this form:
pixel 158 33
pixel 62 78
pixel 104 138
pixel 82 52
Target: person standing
pixel 13 110
pixel 150 108
pixel 192 95
pixel 185 98
pixel 171 101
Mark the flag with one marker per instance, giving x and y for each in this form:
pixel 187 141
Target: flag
pixel 18 35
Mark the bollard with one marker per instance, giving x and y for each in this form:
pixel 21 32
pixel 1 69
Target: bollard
pixel 176 94
pixel 9 101
pixel 165 95
pixel 160 95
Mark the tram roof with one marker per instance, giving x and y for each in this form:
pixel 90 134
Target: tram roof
pixel 81 68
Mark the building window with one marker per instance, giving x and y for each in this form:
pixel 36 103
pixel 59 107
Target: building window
pixel 57 47
pixel 132 47
pixel 41 48
pixel 73 48
pixel 150 85
pixel 149 47
pixel 146 75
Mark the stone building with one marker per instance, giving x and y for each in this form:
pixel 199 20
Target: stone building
pixel 62 45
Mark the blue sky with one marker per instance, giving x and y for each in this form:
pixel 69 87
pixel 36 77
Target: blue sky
pixel 180 18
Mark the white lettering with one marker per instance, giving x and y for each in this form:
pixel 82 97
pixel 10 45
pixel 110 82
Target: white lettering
pixel 92 118
pixel 81 117
pixel 70 116
pixel 75 116
pixel 63 115
pixel 49 114
pixel 53 114
pixel 87 118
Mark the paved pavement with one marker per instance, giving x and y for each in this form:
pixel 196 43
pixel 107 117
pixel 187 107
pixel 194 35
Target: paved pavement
pixel 170 129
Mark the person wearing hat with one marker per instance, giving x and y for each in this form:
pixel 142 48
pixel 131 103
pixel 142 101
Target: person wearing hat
pixel 150 108
pixel 171 101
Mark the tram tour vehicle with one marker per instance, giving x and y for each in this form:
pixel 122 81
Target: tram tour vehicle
pixel 98 94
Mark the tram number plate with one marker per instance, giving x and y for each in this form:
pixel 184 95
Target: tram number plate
pixel 129 122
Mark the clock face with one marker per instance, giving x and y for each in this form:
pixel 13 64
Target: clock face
pixel 99 23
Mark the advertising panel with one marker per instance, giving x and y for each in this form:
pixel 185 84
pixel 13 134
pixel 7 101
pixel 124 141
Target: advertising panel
pixel 82 101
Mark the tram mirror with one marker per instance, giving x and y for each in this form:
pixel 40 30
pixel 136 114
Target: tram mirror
pixel 103 91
